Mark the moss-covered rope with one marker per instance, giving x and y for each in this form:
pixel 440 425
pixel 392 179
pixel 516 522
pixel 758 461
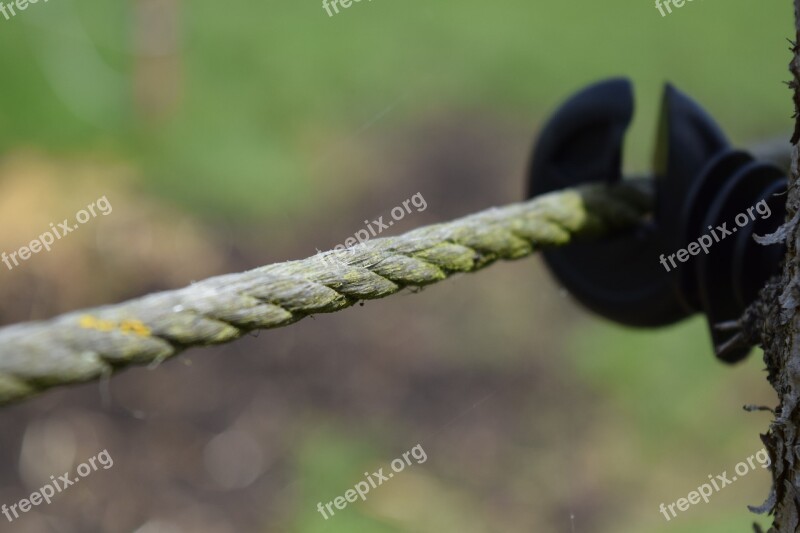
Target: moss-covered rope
pixel 86 345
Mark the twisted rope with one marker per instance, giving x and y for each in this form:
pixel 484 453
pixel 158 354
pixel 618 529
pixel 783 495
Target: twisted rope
pixel 87 345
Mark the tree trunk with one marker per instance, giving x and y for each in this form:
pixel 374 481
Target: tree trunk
pixel 777 325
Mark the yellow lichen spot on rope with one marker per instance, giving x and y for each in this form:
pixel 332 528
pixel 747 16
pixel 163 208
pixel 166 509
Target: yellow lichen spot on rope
pixel 90 322
pixel 136 327
pixel 87 322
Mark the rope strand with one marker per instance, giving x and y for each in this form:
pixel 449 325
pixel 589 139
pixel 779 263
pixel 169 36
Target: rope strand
pixel 86 345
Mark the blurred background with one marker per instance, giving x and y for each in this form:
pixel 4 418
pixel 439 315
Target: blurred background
pixel 227 136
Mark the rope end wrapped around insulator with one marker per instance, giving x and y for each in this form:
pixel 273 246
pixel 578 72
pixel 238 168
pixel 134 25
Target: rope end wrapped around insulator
pixel 697 253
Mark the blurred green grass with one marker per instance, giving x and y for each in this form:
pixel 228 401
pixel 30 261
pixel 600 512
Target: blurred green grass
pixel 272 88
pixel 326 461
pixel 667 387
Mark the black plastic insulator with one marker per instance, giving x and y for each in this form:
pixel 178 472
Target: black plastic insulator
pixel 701 185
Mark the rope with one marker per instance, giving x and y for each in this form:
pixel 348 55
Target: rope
pixel 87 345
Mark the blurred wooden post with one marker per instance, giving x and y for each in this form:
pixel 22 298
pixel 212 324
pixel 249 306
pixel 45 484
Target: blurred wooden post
pixel 158 64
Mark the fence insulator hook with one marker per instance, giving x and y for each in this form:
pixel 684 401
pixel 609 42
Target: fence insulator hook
pixel 696 253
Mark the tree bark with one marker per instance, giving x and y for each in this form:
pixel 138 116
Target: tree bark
pixel 776 317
